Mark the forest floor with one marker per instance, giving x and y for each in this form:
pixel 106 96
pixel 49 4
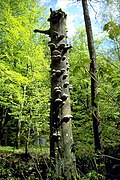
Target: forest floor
pixel 16 165
pixel 33 149
pixel 35 165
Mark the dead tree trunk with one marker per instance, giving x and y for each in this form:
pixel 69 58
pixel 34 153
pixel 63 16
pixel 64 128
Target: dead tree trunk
pixel 94 85
pixel 61 138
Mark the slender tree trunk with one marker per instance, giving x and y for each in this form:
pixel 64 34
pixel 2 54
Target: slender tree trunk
pixel 61 138
pixel 1 125
pixel 27 132
pixel 94 85
pixel 3 128
pixel 20 118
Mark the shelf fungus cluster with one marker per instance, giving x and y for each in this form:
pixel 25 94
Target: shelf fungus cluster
pixel 56 136
pixel 66 118
pixel 59 71
pixel 60 111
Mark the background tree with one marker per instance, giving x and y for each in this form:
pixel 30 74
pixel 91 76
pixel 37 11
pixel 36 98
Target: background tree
pixel 94 85
pixel 24 72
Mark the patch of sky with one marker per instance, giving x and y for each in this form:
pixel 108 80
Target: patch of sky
pixel 75 16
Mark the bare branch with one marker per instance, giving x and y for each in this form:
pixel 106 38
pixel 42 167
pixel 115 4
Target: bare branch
pixel 42 31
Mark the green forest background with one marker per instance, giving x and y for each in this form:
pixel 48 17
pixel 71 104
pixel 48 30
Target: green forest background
pixel 25 91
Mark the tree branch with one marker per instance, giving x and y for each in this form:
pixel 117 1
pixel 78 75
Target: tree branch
pixel 105 155
pixel 42 31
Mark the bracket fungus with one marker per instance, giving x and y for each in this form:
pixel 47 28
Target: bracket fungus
pixel 62 70
pixel 65 76
pixel 66 84
pixel 65 49
pixel 56 52
pixel 58 101
pixel 63 58
pixel 53 71
pixel 64 97
pixel 66 118
pixel 57 91
pixel 57 87
pixel 70 87
pixel 56 57
pixel 52 45
pixel 61 46
pixel 53 75
pixel 58 72
pixel 55 33
pixel 61 37
pixel 68 67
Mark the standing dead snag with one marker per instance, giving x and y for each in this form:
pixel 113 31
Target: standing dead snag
pixel 61 138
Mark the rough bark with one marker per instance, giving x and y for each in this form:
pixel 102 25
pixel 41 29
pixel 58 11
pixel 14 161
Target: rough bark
pixel 94 84
pixel 61 139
